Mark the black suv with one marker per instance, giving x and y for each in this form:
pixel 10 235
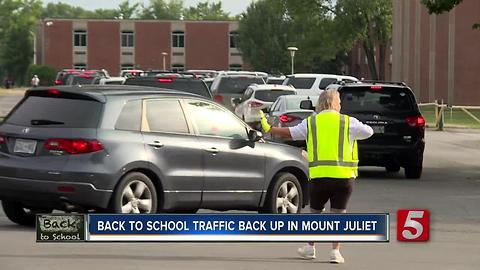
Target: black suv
pixel 174 82
pixel 399 127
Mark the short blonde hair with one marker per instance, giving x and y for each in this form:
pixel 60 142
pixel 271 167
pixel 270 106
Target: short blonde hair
pixel 327 99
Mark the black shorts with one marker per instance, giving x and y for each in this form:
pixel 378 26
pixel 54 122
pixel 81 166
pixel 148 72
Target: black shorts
pixel 336 190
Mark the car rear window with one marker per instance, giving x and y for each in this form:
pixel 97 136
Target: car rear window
pixel 275 81
pixel 237 85
pixel 272 95
pixel 83 80
pixel 56 112
pixel 300 83
pixel 293 103
pixel 384 100
pixel 191 86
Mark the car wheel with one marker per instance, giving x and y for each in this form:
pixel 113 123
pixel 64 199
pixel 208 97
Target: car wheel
pixel 393 168
pixel 135 194
pixel 413 172
pixel 285 195
pixel 17 213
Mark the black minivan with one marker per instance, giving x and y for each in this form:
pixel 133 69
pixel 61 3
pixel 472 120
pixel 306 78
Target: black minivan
pixel 398 125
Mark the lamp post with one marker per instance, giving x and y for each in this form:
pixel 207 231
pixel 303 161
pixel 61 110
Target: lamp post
pixel 34 35
pixel 292 51
pixel 164 54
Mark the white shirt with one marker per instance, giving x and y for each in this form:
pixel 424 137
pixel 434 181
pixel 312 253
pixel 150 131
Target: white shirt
pixel 357 130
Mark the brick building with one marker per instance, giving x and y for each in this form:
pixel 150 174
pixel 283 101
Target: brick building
pixel 438 55
pixel 125 44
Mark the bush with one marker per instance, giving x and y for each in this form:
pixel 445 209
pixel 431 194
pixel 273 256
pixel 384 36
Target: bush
pixel 46 74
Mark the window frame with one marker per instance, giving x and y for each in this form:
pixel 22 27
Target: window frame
pixel 178 36
pixel 235 67
pixel 233 39
pixel 175 68
pixel 81 33
pixel 144 127
pixel 189 115
pixel 130 36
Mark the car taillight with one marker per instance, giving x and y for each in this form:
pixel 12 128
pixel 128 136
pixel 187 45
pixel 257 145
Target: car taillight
pixel 58 82
pixel 285 118
pixel 3 140
pixel 415 121
pixel 53 92
pixel 75 146
pixel 218 98
pixel 254 104
pixel 165 80
pixel 376 87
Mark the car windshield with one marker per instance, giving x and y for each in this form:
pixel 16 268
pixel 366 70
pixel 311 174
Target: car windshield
pixel 293 103
pixel 300 83
pixel 271 95
pixel 56 112
pixel 237 85
pixel 381 100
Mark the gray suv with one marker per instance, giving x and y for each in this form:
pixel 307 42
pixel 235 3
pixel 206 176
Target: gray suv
pixel 130 149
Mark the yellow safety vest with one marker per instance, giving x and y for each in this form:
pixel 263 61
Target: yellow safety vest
pixel 328 146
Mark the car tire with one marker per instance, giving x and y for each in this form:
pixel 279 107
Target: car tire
pixel 413 172
pixel 284 196
pixel 17 213
pixel 392 168
pixel 142 199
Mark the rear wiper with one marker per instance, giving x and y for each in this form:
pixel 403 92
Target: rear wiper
pixel 41 122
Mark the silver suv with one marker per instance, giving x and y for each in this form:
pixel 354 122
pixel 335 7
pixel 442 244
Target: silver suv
pixel 130 149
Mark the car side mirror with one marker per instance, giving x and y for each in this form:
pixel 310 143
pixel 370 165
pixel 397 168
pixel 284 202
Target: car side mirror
pixel 307 105
pixel 254 135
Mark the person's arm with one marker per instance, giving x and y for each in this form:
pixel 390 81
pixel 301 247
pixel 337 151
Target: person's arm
pixel 298 132
pixel 359 130
pixel 281 132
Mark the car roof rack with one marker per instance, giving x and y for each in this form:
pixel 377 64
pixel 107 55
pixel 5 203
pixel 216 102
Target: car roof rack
pixel 383 82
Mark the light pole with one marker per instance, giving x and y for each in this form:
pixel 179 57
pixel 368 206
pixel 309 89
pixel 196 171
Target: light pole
pixel 292 51
pixel 34 35
pixel 164 54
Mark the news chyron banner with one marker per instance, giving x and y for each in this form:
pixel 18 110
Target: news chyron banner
pixel 214 228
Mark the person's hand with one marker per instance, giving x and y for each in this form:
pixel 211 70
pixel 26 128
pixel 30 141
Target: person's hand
pixel 263 121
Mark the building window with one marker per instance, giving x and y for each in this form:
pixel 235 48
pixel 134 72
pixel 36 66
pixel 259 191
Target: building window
pixel 128 39
pixel 80 38
pixel 235 67
pixel 79 66
pixel 178 39
pixel 233 39
pixel 178 68
pixel 127 67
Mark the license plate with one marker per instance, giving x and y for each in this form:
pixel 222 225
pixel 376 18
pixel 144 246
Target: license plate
pixel 378 129
pixel 25 146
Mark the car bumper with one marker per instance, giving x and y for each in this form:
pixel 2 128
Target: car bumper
pixel 46 194
pixel 382 155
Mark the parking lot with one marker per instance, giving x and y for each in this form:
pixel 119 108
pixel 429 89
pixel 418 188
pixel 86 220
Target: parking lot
pixel 449 188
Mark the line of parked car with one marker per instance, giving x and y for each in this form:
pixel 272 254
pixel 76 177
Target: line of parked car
pixel 165 141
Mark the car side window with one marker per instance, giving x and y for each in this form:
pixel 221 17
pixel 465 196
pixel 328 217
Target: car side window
pixel 212 120
pixel 130 116
pixel 326 82
pixel 164 116
pixel 276 106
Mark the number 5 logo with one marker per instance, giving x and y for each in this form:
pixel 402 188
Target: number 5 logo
pixel 413 225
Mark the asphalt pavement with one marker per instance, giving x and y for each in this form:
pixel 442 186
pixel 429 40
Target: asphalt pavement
pixel 449 188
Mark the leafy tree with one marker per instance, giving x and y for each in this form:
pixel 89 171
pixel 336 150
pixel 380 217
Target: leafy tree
pixel 207 11
pixel 127 11
pixel 64 11
pixel 263 36
pixel 368 22
pixel 104 14
pixel 161 10
pixel 17 20
pixel 440 6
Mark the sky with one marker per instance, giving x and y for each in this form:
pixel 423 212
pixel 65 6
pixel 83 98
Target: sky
pixel 234 7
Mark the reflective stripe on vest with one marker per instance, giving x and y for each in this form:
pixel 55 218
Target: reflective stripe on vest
pixel 331 155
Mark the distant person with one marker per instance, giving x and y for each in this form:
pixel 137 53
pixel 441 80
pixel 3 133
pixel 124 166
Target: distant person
pixel 35 81
pixel 5 82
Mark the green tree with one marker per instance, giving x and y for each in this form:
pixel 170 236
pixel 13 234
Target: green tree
pixel 64 11
pixel 46 74
pixel 162 10
pixel 17 21
pixel 440 6
pixel 263 36
pixel 127 11
pixel 207 11
pixel 368 22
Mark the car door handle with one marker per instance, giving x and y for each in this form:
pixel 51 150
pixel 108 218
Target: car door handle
pixel 212 150
pixel 156 144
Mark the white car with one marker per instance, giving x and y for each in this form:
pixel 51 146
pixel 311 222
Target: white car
pixel 258 97
pixel 112 80
pixel 276 79
pixel 314 84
